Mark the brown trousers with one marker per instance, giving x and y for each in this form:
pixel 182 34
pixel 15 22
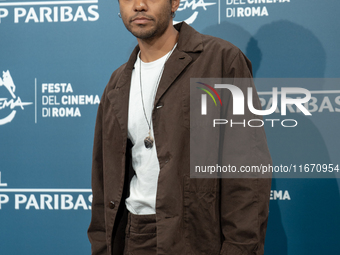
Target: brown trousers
pixel 141 235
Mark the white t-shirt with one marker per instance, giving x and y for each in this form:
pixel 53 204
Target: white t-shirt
pixel 143 185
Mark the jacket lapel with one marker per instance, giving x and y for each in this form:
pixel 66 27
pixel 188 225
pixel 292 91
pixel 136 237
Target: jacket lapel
pixel 189 41
pixel 119 95
pixel 173 67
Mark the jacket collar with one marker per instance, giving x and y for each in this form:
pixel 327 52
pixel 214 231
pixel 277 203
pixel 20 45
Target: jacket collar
pixel 189 39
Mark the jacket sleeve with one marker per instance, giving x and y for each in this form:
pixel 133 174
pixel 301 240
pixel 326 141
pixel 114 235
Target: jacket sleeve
pixel 244 201
pixel 96 231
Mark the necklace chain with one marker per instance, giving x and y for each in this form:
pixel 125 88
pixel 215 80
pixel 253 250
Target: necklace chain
pixel 155 90
pixel 141 89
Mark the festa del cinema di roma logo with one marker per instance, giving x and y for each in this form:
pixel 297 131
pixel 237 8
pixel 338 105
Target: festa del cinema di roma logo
pixel 12 103
pixel 238 104
pixel 193 4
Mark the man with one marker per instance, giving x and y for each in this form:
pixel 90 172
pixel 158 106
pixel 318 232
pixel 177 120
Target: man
pixel 143 124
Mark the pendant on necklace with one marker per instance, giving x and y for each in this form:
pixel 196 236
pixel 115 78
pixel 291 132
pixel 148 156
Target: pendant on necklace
pixel 148 141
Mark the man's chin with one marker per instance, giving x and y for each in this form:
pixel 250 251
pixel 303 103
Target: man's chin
pixel 143 33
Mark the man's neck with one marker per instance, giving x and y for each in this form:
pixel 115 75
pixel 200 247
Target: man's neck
pixel 156 48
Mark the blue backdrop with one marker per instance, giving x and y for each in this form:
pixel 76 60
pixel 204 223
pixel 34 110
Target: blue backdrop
pixel 56 58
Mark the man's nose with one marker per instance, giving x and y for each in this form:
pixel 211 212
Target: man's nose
pixel 140 5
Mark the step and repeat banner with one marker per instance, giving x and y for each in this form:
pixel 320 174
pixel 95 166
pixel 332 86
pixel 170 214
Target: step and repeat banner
pixel 56 57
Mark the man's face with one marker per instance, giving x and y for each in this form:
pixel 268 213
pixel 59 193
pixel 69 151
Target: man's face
pixel 146 19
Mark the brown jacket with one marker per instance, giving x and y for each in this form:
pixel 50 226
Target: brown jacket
pixel 194 216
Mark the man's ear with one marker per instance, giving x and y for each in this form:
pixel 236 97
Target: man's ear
pixel 174 5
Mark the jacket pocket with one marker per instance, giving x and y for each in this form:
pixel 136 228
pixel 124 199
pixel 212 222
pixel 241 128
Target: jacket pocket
pixel 201 216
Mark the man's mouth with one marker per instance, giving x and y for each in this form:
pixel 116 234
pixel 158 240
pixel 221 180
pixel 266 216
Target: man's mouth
pixel 141 20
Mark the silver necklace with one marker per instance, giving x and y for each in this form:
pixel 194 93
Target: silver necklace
pixel 148 141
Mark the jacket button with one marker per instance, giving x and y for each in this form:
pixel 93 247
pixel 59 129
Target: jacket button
pixel 112 205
